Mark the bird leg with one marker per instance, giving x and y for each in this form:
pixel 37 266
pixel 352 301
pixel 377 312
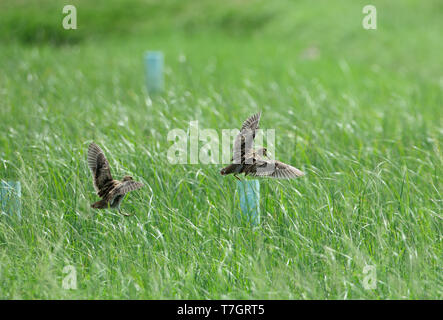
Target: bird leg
pixel 235 175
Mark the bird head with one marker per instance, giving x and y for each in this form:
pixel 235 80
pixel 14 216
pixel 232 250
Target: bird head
pixel 127 178
pixel 262 152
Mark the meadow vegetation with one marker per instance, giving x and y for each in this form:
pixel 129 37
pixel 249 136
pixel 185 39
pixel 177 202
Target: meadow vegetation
pixel 360 111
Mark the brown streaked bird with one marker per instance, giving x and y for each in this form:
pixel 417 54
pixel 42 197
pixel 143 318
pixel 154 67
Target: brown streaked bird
pixel 249 161
pixel 111 191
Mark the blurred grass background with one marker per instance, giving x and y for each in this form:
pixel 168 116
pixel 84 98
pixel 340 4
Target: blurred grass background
pixel 359 110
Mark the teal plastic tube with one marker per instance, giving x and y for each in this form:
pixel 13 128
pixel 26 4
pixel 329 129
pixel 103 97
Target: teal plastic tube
pixel 154 71
pixel 249 197
pixel 10 196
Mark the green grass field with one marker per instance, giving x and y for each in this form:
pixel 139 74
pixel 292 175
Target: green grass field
pixel 363 118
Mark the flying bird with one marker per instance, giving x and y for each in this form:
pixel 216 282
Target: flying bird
pixel 252 162
pixel 111 191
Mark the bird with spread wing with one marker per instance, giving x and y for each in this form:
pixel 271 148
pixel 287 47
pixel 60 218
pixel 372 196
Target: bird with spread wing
pixel 111 191
pixel 249 161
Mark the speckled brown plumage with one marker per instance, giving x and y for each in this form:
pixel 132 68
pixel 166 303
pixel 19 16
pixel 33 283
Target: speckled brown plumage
pixel 111 191
pixel 248 161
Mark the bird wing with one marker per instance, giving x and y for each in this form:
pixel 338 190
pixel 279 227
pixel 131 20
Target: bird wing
pixel 125 187
pixel 252 122
pixel 244 140
pixel 99 167
pixel 275 169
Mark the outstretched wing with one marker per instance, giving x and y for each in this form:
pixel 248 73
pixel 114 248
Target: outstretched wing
pixel 276 169
pixel 99 167
pixel 125 187
pixel 245 139
pixel 252 122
